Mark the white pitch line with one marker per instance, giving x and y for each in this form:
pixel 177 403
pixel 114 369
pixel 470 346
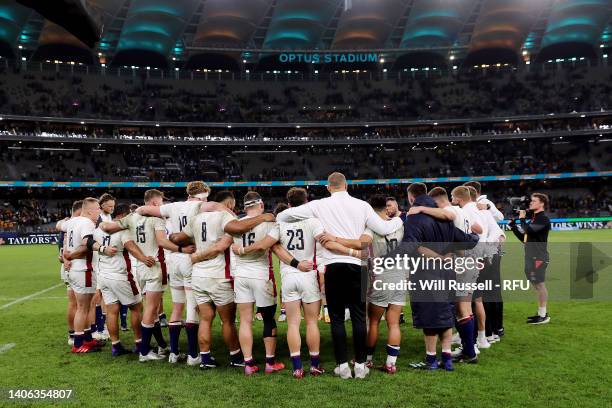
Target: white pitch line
pixel 6 347
pixel 30 296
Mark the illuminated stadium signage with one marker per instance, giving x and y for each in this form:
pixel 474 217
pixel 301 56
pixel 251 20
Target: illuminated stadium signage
pixel 327 58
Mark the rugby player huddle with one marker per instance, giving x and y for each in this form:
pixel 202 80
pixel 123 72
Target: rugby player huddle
pixel 119 257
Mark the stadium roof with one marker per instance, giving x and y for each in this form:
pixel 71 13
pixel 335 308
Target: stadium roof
pixel 154 32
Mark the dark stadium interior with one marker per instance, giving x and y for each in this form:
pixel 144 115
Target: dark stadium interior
pixel 198 91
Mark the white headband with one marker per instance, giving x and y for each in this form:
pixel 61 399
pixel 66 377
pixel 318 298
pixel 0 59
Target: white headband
pixel 201 195
pixel 251 203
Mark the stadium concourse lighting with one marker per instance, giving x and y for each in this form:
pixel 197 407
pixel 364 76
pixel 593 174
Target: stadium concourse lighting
pixel 20 47
pixel 23 58
pixel 157 125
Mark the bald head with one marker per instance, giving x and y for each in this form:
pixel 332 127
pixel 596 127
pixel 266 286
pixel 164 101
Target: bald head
pixel 336 182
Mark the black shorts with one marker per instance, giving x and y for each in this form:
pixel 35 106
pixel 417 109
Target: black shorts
pixel 535 270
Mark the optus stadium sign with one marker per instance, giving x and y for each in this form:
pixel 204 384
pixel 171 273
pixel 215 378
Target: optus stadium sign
pixel 327 58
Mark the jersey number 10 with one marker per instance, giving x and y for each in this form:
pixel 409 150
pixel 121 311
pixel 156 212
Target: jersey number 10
pixel 140 234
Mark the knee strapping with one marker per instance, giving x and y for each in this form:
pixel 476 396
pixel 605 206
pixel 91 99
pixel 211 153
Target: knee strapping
pixel 269 323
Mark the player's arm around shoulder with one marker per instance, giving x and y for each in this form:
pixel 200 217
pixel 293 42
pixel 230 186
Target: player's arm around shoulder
pixel 377 224
pixel 299 213
pixel 238 227
pixel 154 211
pixel 110 227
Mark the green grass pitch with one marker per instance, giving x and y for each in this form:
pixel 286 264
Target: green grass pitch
pixel 565 363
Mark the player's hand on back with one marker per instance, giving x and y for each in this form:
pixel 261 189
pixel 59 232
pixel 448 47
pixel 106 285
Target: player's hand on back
pixel 110 251
pixel 189 249
pixel 269 217
pixel 305 266
pixel 236 249
pixel 415 210
pixel 327 237
pixel 67 264
pixel 149 261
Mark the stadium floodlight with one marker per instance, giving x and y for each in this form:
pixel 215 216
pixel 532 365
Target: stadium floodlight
pixel 452 57
pixel 23 58
pixel 601 45
pixel 244 61
pixel 382 60
pixel 82 123
pixel 247 71
pixel 20 47
pixel 297 126
pixel 157 125
pixel 102 65
pixel 176 69
pixel 316 71
pixel 229 126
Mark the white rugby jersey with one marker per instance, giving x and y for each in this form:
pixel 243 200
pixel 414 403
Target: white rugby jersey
pixel 206 229
pixel 106 217
pixel 78 229
pixel 383 244
pixel 113 267
pixel 256 265
pixel 299 239
pixel 461 220
pixel 178 215
pixel 474 216
pixel 143 233
pixel 64 228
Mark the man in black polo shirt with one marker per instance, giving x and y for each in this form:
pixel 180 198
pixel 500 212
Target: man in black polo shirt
pixel 534 234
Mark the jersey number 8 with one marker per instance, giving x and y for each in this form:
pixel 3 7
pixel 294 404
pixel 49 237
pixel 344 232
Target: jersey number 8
pixel 203 232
